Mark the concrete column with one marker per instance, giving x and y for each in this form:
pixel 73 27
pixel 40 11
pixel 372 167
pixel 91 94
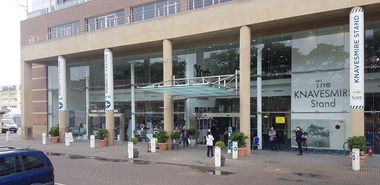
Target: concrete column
pixel 26 100
pixel 109 95
pixel 62 117
pixel 357 71
pixel 168 99
pixel 245 84
pixel 259 97
pixel 133 101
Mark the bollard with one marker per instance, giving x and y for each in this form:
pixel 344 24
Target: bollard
pixel 67 139
pixel 19 131
pixel 44 138
pixel 130 150
pixel 217 157
pixel 356 159
pixel 234 150
pixel 92 141
pixel 153 145
pixel 7 136
pixel 118 137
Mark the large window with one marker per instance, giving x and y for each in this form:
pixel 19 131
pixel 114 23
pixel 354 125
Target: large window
pixel 64 30
pixel 195 4
pixel 153 10
pixel 105 21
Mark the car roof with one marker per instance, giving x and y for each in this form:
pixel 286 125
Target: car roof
pixel 11 149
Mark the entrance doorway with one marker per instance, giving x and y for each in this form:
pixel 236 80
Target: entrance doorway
pixel 99 121
pixel 372 130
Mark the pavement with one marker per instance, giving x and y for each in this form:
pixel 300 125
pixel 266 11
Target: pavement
pixel 262 166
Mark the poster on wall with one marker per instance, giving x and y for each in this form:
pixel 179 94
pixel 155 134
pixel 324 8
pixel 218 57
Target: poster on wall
pixel 316 132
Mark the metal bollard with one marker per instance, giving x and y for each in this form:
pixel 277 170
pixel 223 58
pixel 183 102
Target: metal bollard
pixel 217 157
pixel 356 159
pixel 130 150
pixel 234 150
pixel 92 141
pixel 67 140
pixel 44 138
pixel 7 136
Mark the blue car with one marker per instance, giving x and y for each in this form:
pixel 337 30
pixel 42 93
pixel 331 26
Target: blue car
pixel 25 166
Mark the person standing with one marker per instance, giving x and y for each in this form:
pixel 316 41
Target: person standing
pixel 185 136
pixel 210 144
pixel 272 139
pixel 299 139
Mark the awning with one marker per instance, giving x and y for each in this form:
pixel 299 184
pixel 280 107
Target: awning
pixel 209 86
pixel 191 91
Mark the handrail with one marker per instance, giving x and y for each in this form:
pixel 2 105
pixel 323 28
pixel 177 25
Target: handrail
pixel 137 17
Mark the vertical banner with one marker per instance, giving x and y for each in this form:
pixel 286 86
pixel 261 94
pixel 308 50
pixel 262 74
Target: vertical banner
pixel 61 83
pixel 357 58
pixel 108 80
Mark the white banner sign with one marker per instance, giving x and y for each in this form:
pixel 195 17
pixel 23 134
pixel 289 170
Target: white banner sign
pixel 108 79
pixel 61 83
pixel 357 58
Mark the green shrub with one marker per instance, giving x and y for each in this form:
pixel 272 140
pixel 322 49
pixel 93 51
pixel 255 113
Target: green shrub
pixel 134 140
pixel 54 132
pixel 220 144
pixel 102 134
pixel 176 135
pixel 191 131
pixel 162 136
pixel 357 142
pixel 240 138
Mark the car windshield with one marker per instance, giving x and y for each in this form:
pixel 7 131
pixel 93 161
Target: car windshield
pixel 8 122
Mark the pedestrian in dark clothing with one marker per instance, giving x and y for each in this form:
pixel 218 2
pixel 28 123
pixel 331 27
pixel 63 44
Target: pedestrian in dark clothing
pixel 299 140
pixel 185 136
pixel 273 139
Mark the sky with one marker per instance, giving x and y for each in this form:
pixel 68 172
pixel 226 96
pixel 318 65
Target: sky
pixel 12 13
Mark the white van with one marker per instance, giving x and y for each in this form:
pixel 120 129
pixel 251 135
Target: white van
pixel 8 125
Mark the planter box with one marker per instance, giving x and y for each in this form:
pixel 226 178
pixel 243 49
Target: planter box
pixel 163 146
pixel 54 139
pixel 242 152
pixel 103 143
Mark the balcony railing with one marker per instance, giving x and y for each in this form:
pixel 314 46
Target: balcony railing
pixel 55 8
pixel 136 17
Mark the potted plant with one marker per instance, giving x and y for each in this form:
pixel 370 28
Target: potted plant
pixel 240 138
pixel 102 137
pixel 162 137
pixel 135 150
pixel 221 145
pixel 54 134
pixel 175 136
pixel 191 132
pixel 360 143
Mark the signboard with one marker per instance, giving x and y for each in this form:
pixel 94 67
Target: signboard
pixel 280 120
pixel 61 83
pixel 357 58
pixel 108 80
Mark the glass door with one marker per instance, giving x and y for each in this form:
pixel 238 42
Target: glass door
pixel 372 131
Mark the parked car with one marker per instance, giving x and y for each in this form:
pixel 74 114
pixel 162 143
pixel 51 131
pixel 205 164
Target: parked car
pixel 8 125
pixel 25 166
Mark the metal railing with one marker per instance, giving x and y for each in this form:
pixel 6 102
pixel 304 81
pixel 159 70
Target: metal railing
pixel 141 16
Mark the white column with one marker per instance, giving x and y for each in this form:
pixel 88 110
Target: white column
pixel 87 101
pixel 133 100
pixel 168 98
pixel 357 71
pixel 62 97
pixel 259 96
pixel 109 95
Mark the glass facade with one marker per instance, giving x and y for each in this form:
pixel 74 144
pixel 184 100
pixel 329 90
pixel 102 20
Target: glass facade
pixel 305 83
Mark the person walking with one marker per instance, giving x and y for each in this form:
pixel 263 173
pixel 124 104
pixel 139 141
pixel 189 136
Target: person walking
pixel 185 136
pixel 210 144
pixel 272 139
pixel 299 139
